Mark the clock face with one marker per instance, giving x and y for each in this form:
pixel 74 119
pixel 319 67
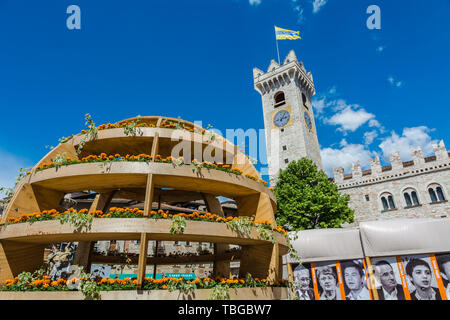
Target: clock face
pixel 308 121
pixel 281 118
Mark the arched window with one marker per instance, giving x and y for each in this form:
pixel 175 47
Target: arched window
pixel 432 195
pixel 414 198
pixel 411 198
pixel 440 194
pixel 385 204
pixel 407 199
pixel 436 193
pixel 391 202
pixel 387 200
pixel 279 99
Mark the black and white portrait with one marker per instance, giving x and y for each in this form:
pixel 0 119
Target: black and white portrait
pixel 303 282
pixel 420 278
pixel 355 283
pixel 387 279
pixel 328 281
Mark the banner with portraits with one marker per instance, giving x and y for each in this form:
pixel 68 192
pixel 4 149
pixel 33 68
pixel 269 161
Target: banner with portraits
pixel 413 277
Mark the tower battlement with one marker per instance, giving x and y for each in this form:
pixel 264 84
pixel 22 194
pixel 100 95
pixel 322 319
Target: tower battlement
pixel 397 168
pixel 277 75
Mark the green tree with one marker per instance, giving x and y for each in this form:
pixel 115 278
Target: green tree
pixel 308 199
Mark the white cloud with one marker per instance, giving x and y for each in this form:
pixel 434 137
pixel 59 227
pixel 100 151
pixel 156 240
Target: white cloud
pixel 374 123
pixel 370 136
pixel 319 104
pixel 318 4
pixel 395 82
pixel 255 2
pixel 9 169
pixel 299 11
pixel 381 48
pixel 349 118
pixel 332 90
pixel 411 138
pixel 345 156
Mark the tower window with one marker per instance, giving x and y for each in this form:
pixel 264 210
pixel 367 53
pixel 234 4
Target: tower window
pixel 286 160
pixel 367 197
pixel 305 100
pixel 284 148
pixel 279 99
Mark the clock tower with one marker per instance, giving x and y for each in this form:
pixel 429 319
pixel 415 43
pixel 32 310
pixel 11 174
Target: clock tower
pixel 291 134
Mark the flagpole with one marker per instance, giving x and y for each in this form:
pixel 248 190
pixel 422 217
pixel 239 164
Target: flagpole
pixel 276 40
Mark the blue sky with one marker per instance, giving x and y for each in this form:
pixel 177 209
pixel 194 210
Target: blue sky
pixel 378 91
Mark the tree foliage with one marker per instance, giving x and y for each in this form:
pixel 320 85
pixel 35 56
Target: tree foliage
pixel 307 199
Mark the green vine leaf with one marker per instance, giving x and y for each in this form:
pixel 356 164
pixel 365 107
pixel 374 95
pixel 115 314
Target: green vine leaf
pixel 178 225
pixel 77 220
pixel 266 234
pixel 241 225
pixel 90 134
pixel 220 292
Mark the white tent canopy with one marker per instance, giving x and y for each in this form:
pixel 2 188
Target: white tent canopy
pixel 327 245
pixel 405 236
pixel 374 239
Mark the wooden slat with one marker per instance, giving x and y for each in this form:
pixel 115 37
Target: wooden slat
pixel 142 260
pixel 46 232
pixel 155 146
pixel 291 280
pixel 148 195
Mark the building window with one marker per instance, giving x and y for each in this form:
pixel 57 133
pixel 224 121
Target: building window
pixel 440 194
pixel 407 199
pixel 385 204
pixel 387 200
pixel 436 193
pixel 367 197
pixel 391 202
pixel 304 101
pixel 286 160
pixel 414 198
pixel 411 198
pixel 284 148
pixel 279 99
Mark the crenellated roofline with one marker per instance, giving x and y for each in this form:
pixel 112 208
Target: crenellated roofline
pixel 397 167
pixel 277 75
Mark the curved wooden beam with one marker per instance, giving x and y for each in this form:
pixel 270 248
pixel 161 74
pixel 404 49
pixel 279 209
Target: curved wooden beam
pixel 46 232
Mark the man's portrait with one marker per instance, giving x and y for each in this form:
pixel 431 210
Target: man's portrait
pixel 355 280
pixel 389 287
pixel 303 283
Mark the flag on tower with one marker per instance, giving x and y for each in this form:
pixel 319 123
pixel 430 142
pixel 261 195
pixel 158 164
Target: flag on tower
pixel 284 34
